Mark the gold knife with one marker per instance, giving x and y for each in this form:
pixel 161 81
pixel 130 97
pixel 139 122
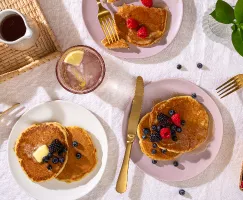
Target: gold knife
pixel 121 185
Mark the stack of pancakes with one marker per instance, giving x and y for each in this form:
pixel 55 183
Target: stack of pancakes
pixel 194 132
pixel 72 169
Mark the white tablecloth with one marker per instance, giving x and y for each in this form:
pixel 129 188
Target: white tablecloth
pixel 219 182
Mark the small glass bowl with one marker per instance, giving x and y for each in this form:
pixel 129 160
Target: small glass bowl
pixel 92 67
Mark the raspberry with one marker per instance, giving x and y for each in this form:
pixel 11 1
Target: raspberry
pixel 147 3
pixel 176 119
pixel 142 32
pixel 165 133
pixel 132 23
pixel 241 185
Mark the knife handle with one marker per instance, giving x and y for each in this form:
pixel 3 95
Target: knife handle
pixel 121 185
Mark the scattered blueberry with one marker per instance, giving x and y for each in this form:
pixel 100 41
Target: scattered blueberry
pixel 146 131
pixel 154 151
pixel 179 66
pixel 178 129
pixel 182 192
pixel 154 128
pixel 154 162
pixel 200 65
pixel 173 127
pixel 175 163
pixel 164 151
pixel 55 160
pixel 174 138
pixel 144 137
pixel 61 160
pixel 154 145
pixel 78 155
pixel 171 112
pixel 45 159
pixel 75 143
pixel 183 122
pixel 49 167
pixel 194 95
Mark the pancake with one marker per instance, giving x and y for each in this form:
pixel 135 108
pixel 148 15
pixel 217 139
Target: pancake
pixel 76 169
pixel 120 44
pixel 195 131
pixel 154 19
pixel 34 137
pixel 147 146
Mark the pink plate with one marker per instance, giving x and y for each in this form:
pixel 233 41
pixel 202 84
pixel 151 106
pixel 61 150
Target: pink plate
pixel 175 7
pixel 190 164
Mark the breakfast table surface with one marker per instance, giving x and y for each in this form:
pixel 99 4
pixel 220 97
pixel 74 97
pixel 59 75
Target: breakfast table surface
pixel 220 181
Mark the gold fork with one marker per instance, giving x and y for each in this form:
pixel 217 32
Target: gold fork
pixel 230 86
pixel 107 24
pixel 8 110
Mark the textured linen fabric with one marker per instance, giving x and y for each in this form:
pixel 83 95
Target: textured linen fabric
pixel 219 182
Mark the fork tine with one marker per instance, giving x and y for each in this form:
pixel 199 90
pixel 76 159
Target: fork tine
pixel 110 24
pixel 114 25
pixel 226 82
pixel 227 85
pixel 230 92
pixel 106 22
pixel 229 89
pixel 105 31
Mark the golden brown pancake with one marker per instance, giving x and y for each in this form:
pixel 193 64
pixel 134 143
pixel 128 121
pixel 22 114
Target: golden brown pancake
pixel 195 131
pixel 120 44
pixel 154 19
pixel 147 146
pixel 30 140
pixel 76 169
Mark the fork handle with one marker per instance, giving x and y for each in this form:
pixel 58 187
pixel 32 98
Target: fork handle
pixel 121 185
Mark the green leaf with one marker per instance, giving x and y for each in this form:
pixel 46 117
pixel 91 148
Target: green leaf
pixel 223 13
pixel 233 27
pixel 239 11
pixel 237 41
pixel 241 34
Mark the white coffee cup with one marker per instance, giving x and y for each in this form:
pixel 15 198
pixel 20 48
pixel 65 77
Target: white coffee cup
pixel 31 35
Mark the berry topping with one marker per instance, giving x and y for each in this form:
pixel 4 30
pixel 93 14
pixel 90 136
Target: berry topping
pixel 60 153
pixel 146 131
pixel 174 138
pixel 147 3
pixel 178 129
pixel 142 32
pixel 55 146
pixel 164 151
pixel 154 151
pixel 49 167
pixel 78 155
pixel 182 192
pixel 144 137
pixel 176 119
pixel 155 137
pixel 164 120
pixel 50 155
pixel 175 163
pixel 173 127
pixel 241 185
pixel 154 162
pixel 183 122
pixel 75 143
pixel 55 160
pixel 132 23
pixel 154 128
pixel 200 65
pixel 61 160
pixel 179 66
pixel 159 128
pixel 165 133
pixel 171 112
pixel 45 159
pixel 194 95
pixel 154 145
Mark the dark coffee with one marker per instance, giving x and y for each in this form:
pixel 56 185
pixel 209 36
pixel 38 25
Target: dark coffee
pixel 12 28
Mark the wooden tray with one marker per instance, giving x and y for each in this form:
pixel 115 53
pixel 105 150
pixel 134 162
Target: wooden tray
pixel 13 62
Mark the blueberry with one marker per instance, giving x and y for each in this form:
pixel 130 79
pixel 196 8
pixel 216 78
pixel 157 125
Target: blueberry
pixel 173 127
pixel 159 128
pixel 75 143
pixel 154 145
pixel 55 160
pixel 178 129
pixel 50 155
pixel 173 133
pixel 64 149
pixel 60 153
pixel 49 167
pixel 144 137
pixel 174 138
pixel 194 95
pixel 182 192
pixel 171 112
pixel 183 122
pixel 78 155
pixel 61 160
pixel 164 151
pixel 45 159
pixel 175 163
pixel 154 128
pixel 155 137
pixel 154 162
pixel 154 151
pixel 179 66
pixel 200 65
pixel 146 131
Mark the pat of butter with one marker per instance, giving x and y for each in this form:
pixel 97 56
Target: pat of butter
pixel 41 152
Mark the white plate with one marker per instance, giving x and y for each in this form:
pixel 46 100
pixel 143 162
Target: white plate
pixel 68 114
